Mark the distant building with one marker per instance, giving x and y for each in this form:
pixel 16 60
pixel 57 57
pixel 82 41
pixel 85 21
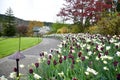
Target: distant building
pixel 40 30
pixel 43 30
pixel 36 30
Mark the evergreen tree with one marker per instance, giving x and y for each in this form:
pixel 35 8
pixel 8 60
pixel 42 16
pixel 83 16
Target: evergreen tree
pixel 9 24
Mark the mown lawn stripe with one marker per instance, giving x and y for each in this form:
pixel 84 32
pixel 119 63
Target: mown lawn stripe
pixel 10 45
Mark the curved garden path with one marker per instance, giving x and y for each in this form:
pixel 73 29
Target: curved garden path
pixel 31 54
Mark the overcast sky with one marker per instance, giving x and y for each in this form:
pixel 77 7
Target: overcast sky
pixel 41 10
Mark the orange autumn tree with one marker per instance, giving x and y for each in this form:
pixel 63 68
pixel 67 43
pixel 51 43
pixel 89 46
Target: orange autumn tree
pixel 33 24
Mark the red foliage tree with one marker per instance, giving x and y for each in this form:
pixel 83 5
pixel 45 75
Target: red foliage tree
pixel 22 30
pixel 80 10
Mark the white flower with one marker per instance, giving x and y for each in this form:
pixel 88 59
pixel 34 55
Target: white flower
pixel 39 60
pixel 43 59
pixel 86 57
pixel 110 58
pixel 105 68
pixel 108 47
pixel 45 53
pixel 61 74
pixel 88 46
pixel 92 71
pixel 88 40
pixel 97 58
pixel 64 41
pixel 105 62
pixel 59 50
pixel 78 43
pixel 99 48
pixel 3 78
pixel 59 56
pixel 73 51
pixel 84 45
pixel 60 45
pixel 112 40
pixel 12 75
pixel 50 55
pixel 94 53
pixel 89 53
pixel 36 76
pixel 87 73
pixel 114 36
pixel 118 53
pixel 78 60
pixel 117 44
pixel 106 57
pixel 32 64
pixel 22 66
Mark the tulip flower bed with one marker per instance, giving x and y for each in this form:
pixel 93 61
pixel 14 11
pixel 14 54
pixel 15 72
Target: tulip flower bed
pixel 80 57
pixel 56 36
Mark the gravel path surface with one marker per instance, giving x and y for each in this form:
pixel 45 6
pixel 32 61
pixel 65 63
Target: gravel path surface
pixel 31 54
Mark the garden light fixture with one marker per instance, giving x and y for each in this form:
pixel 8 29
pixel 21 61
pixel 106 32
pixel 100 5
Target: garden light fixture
pixel 17 56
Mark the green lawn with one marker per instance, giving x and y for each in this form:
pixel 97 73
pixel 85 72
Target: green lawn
pixel 10 45
pixel 1 38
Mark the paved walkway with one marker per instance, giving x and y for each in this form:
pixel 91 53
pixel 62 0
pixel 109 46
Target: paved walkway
pixel 31 54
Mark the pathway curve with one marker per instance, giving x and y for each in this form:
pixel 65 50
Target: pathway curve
pixel 31 54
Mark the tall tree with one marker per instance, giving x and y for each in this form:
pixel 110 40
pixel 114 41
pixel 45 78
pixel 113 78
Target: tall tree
pixel 9 23
pixel 33 24
pixel 80 11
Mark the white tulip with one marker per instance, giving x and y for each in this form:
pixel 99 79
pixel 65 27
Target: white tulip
pixel 61 74
pixel 36 76
pixel 118 53
pixel 3 78
pixel 22 66
pixel 105 62
pixel 108 47
pixel 105 68
pixel 12 75
pixel 92 71
pixel 87 73
pixel 89 53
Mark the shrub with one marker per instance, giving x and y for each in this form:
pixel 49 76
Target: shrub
pixel 56 26
pixel 63 30
pixel 75 29
pixel 92 30
pixel 109 26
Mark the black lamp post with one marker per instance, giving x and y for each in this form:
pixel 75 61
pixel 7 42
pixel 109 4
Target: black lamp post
pixel 17 56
